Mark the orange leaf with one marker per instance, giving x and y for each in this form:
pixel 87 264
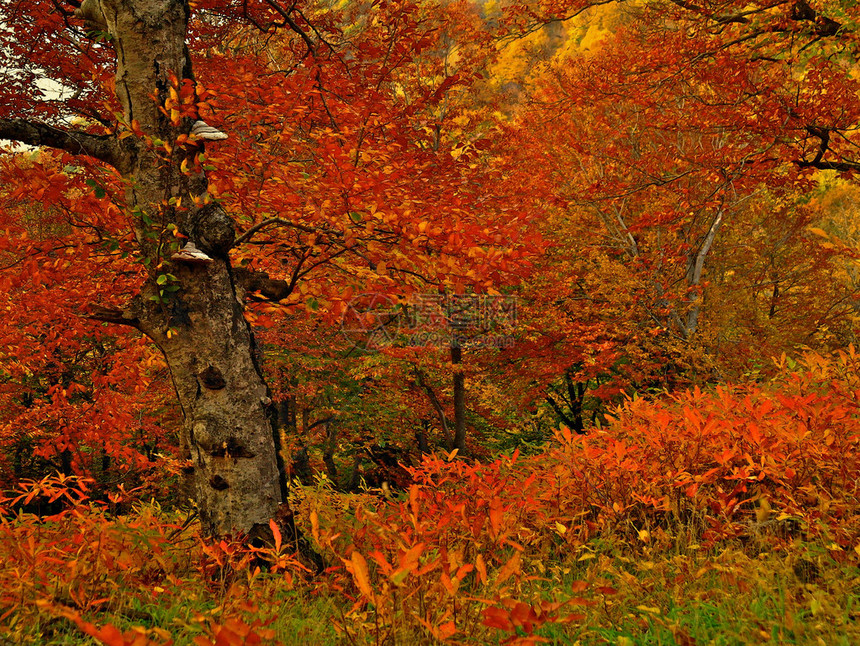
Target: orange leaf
pixel 481 567
pixel 509 568
pixel 361 575
pixel 276 533
pixel 497 618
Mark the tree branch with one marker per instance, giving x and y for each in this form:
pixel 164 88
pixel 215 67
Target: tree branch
pixel 101 147
pixel 440 411
pixel 571 424
pixel 844 167
pixel 112 315
pixel 823 135
pixel 274 289
pixel 280 222
pixel 285 14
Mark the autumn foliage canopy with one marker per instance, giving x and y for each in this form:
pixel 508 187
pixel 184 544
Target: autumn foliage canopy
pixel 426 298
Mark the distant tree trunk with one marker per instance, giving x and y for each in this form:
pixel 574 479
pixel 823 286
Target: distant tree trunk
pixel 437 405
pixel 421 437
pixel 695 268
pixel 459 397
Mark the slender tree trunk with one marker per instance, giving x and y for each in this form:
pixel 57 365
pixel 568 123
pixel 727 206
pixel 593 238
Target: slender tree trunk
pixel 421 437
pixel 459 398
pixel 695 268
pixel 440 411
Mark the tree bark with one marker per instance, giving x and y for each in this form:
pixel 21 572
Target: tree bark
pixel 440 411
pixel 201 329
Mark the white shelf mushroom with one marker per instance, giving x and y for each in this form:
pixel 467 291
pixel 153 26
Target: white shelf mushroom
pixel 190 253
pixel 204 131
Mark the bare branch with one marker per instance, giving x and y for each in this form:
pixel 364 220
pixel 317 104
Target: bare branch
pixel 101 147
pixel 250 233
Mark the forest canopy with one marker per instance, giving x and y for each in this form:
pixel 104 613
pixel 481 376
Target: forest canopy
pixel 262 261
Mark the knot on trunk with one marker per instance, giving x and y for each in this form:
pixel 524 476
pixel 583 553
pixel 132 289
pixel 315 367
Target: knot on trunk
pixel 231 448
pixel 214 231
pixel 212 379
pixel 218 483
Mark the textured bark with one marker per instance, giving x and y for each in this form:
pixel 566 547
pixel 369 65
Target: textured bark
pixel 224 400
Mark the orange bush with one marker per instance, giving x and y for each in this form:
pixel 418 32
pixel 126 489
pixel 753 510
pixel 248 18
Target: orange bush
pixel 766 461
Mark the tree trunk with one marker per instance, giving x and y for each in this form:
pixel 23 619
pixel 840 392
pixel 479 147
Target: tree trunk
pixel 695 268
pixel 459 397
pixel 224 401
pixel 200 328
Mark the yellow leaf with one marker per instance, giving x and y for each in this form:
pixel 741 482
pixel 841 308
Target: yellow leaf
pixel 651 609
pixel 818 232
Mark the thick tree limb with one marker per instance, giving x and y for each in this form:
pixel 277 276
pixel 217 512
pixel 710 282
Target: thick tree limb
pixel 823 135
pixel 101 147
pixel 822 25
pixel 274 289
pixel 112 315
pixel 843 167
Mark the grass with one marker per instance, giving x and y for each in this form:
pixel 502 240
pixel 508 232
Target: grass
pixel 769 593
